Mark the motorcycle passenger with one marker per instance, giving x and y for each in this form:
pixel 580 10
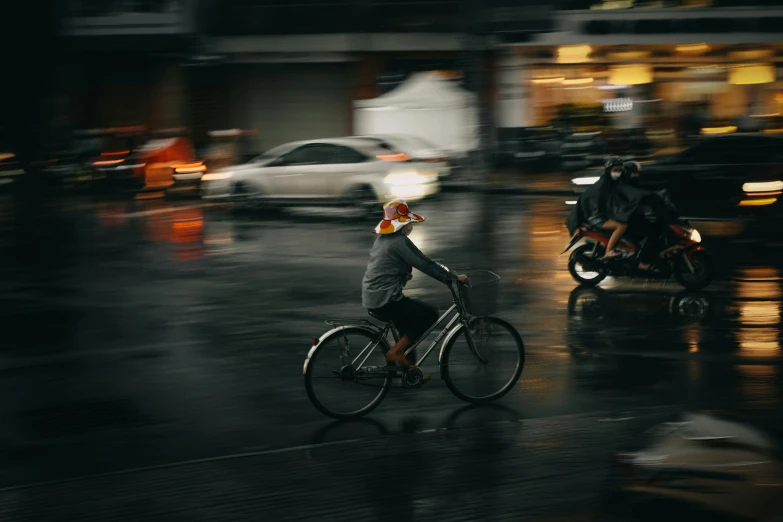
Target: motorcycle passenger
pixel 392 258
pixel 632 171
pixel 596 206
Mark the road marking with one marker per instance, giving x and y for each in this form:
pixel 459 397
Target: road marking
pixel 306 447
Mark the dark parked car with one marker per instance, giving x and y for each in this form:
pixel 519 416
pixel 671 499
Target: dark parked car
pixel 734 177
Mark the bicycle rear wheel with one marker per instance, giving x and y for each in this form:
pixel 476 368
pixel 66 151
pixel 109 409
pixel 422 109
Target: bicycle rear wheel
pixel 334 384
pixel 489 372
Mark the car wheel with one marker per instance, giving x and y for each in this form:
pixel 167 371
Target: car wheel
pixel 248 200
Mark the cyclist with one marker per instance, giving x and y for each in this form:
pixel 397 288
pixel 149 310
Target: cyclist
pixel 392 258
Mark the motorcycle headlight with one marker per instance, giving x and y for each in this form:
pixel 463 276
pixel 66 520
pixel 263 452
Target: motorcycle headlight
pixel 695 236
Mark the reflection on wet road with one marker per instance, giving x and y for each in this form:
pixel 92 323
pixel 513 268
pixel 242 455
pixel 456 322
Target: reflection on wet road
pixel 178 331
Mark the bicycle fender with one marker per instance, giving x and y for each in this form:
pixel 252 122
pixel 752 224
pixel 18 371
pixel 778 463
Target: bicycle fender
pixel 321 339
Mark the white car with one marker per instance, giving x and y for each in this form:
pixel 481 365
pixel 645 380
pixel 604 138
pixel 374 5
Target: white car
pixel 416 148
pixel 324 171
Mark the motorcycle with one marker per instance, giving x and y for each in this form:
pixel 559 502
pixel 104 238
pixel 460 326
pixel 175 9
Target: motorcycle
pixel 668 244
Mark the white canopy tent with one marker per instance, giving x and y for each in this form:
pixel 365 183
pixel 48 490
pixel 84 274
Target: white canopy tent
pixel 424 106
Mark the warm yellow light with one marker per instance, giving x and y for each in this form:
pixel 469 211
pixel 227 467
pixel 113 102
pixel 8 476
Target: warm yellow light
pixel 757 202
pixel 761 313
pixel 614 4
pixel 706 67
pixel 729 129
pixel 752 74
pixel 630 74
pixel 754 54
pixel 217 176
pixel 628 55
pixel 578 81
pixel 6 155
pixel 557 79
pixel 692 48
pixel 183 169
pixel 772 131
pixel 573 53
pixel 763 186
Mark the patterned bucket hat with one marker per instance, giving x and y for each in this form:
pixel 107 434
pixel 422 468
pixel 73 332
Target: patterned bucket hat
pixel 395 216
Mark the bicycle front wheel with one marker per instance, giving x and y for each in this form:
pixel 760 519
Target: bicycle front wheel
pixel 343 377
pixel 488 370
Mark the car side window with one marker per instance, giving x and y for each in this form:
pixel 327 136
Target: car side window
pixel 300 156
pixel 315 154
pixel 346 155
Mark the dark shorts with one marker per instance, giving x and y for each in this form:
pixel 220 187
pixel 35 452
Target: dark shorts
pixel 411 317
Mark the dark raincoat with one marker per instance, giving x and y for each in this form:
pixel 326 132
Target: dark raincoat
pixel 605 200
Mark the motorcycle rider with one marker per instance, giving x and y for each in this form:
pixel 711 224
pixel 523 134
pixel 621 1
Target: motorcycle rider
pixel 596 205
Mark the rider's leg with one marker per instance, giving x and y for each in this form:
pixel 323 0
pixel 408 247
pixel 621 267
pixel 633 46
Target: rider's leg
pixel 396 354
pixel 619 229
pixel 413 318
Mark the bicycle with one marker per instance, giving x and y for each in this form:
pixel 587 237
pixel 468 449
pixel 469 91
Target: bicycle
pixel 473 303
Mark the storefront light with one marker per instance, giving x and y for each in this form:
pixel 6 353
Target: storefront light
pixel 753 54
pixel 554 79
pixel 628 55
pixel 752 74
pixel 630 74
pixel 573 53
pixel 729 129
pixel 578 81
pixel 692 48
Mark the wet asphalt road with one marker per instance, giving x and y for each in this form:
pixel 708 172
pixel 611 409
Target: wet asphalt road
pixel 151 332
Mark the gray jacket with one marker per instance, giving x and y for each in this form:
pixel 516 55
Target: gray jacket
pixel 392 256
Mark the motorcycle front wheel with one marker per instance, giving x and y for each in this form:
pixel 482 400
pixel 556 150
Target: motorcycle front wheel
pixel 581 274
pixel 702 274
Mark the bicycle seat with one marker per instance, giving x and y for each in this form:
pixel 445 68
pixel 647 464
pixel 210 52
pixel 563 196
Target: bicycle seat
pixel 378 316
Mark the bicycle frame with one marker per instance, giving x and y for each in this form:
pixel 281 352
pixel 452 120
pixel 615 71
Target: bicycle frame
pixel 460 315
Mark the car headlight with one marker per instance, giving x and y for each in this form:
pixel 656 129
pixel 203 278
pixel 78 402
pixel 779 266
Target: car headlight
pixel 216 176
pixel 405 178
pixel 695 236
pixel 585 181
pixel 763 186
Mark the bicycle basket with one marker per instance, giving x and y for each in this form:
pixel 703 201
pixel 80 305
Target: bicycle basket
pixel 481 297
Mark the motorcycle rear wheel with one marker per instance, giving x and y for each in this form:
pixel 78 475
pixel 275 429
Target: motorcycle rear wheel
pixel 581 275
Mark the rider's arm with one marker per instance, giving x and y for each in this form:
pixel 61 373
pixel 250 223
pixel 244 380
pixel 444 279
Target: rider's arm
pixel 413 256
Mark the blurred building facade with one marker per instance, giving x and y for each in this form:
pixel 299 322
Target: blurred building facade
pixel 677 65
pixel 293 70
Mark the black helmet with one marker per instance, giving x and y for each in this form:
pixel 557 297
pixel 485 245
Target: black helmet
pixel 613 161
pixel 631 171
